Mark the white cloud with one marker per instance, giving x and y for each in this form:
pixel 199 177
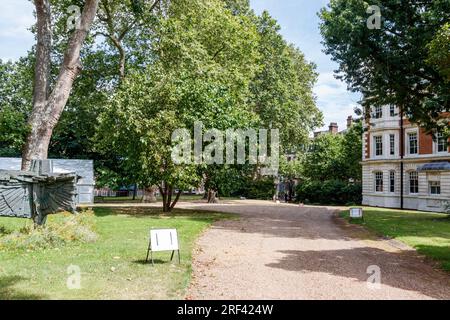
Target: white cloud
pixel 16 18
pixel 335 101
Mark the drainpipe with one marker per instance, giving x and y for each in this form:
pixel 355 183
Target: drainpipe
pixel 402 154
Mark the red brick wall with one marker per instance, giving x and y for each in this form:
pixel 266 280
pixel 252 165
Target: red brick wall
pixel 425 142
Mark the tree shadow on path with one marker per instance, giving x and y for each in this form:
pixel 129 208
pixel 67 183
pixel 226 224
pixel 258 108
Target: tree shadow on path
pixel 404 270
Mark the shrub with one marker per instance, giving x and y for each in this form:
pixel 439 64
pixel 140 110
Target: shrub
pixel 65 229
pixel 329 192
pixel 261 189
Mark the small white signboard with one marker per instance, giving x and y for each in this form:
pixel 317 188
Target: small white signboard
pixel 356 213
pixel 164 240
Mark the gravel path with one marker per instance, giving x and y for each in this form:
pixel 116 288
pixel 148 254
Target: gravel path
pixel 287 252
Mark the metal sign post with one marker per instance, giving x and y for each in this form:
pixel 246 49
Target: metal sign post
pixel 163 240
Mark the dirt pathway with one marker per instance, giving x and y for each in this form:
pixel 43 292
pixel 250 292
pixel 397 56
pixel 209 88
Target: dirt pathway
pixel 288 252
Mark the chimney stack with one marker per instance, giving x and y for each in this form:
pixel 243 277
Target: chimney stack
pixel 349 122
pixel 333 128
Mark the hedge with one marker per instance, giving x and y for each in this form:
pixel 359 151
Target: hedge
pixel 329 192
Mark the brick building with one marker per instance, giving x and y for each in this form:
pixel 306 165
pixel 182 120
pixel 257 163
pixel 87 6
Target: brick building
pixel 403 167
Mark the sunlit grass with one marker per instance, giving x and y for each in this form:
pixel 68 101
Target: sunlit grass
pixel 113 267
pixel 428 233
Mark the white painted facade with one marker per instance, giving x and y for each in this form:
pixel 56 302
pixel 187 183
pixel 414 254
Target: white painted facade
pixel 382 169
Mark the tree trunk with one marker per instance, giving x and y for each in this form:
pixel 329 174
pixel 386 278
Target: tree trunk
pixel 47 108
pixel 212 196
pixel 163 191
pixel 166 193
pixel 176 200
pixel 149 195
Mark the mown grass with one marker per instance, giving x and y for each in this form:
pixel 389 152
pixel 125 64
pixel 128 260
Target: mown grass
pixel 113 267
pixel 183 198
pixel 428 233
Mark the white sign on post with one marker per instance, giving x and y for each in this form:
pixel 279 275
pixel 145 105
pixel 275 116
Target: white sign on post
pixel 356 213
pixel 163 240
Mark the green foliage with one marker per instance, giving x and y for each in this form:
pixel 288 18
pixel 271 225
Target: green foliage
pixel 210 61
pixel 323 160
pixel 329 192
pixel 439 51
pixel 68 228
pixel 282 93
pixel 351 152
pixel 15 104
pixel 260 189
pixel 13 131
pixel 333 157
pixel 330 170
pixel 197 75
pixel 389 65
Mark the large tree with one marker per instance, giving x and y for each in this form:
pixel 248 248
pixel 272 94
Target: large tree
pixel 201 65
pixel 116 28
pixel 50 99
pixel 282 94
pixel 389 65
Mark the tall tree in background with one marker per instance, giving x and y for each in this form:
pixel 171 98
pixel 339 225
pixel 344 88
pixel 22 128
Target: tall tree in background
pixel 389 65
pixel 15 101
pixel 200 70
pixel 282 94
pixel 49 101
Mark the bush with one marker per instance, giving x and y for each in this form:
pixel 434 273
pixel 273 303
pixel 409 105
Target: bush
pixel 261 189
pixel 329 192
pixel 66 228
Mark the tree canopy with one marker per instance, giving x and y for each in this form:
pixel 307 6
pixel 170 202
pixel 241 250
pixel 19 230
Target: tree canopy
pixel 391 65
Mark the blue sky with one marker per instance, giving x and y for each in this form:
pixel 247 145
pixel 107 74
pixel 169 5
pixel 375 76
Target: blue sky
pixel 299 25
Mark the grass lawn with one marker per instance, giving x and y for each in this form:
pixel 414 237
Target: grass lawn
pixel 113 267
pixel 184 197
pixel 428 233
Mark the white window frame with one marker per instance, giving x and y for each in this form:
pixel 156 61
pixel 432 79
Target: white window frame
pixel 392 110
pixel 376 174
pixel 375 144
pixel 392 178
pixel 392 144
pixel 439 137
pixel 430 187
pixel 378 112
pixel 408 141
pixel 410 173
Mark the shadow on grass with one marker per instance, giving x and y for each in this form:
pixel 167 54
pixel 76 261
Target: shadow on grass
pixel 8 292
pixel 4 231
pixel 155 261
pixel 157 213
pixel 430 232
